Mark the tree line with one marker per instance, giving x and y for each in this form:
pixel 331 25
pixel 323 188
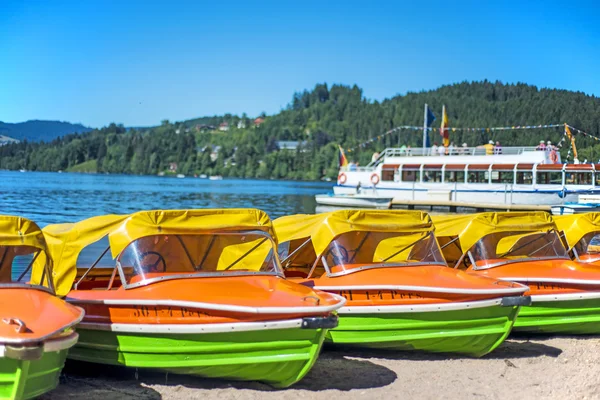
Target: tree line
pixel 320 119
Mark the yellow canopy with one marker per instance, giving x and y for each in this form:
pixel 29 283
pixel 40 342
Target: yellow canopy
pixel 471 228
pixel 66 241
pixel 19 231
pixel 26 237
pixel 181 222
pixel 323 228
pixel 576 226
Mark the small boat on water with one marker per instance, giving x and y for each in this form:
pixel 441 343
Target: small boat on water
pixel 180 176
pixel 36 327
pixel 215 178
pixel 525 247
pixel 400 293
pixel 191 292
pixel 354 200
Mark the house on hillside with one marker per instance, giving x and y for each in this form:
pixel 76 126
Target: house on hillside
pixel 258 121
pixel 204 127
pixel 224 126
pixel 214 154
pixel 290 145
pixel 241 124
pixel 173 167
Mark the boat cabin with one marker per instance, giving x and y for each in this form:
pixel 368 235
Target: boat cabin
pixel 581 234
pixel 21 245
pixel 484 241
pixel 124 252
pixel 343 242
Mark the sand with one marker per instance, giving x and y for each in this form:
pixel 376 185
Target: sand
pixel 523 367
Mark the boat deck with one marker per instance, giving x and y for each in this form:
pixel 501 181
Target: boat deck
pixel 460 206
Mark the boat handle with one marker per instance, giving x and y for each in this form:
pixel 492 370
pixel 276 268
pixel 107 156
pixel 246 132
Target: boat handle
pixel 315 298
pixel 21 328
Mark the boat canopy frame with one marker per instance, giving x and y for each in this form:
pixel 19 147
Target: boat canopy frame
pixel 215 274
pixel 19 232
pixel 323 229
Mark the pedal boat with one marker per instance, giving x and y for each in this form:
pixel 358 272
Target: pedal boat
pixel 525 247
pixel 191 292
pixel 35 325
pixel 400 293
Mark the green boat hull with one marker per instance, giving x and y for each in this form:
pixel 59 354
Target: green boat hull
pixel 279 357
pixel 474 332
pixel 570 317
pixel 27 379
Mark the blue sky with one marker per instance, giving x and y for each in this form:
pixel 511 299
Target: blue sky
pixel 140 62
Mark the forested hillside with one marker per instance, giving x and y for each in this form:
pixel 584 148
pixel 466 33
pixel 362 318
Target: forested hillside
pixel 320 119
pixel 37 130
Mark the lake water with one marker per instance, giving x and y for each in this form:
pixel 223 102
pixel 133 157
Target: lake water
pixel 49 198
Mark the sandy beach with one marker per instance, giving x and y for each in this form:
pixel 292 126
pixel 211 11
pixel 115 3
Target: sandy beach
pixel 527 367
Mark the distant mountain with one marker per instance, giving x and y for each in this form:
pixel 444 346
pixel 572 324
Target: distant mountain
pixel 37 131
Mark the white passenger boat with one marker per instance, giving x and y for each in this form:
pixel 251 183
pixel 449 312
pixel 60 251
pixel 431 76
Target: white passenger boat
pixel 518 175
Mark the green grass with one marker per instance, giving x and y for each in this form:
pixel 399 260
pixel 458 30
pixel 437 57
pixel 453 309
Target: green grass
pixel 87 166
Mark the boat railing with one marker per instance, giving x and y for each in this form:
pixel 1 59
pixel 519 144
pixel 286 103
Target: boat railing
pixel 454 151
pixel 420 152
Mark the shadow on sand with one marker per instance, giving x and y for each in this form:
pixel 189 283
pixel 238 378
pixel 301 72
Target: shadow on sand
pixel 511 348
pixel 331 371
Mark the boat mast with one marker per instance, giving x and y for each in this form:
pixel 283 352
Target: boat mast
pixel 425 129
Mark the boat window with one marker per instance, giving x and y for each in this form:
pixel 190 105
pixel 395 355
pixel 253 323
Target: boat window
pixel 298 257
pixel 549 178
pixel 432 175
pixel 454 176
pixel 598 179
pixel 161 256
pixel 359 249
pixel 95 267
pixel 387 174
pixel 410 175
pixel 451 250
pixel 96 252
pixel 588 248
pixel 578 178
pixel 503 177
pixel 16 263
pixel 506 247
pixel 478 176
pixel 524 177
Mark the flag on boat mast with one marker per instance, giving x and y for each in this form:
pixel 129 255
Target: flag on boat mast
pixel 342 158
pixel 427 121
pixel 572 139
pixel 444 131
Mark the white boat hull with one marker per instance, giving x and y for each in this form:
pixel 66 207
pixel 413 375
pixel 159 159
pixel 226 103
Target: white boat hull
pixel 352 200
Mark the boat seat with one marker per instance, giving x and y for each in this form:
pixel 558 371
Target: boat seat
pixel 296 274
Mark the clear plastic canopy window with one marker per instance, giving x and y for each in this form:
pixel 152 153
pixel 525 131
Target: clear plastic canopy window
pixel 365 249
pixel 16 263
pixel 503 248
pixel 181 255
pixel 588 248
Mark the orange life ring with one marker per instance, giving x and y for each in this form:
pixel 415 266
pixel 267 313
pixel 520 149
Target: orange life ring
pixel 374 179
pixel 553 157
pixel 342 178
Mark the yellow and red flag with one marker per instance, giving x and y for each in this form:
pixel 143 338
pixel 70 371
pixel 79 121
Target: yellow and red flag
pixel 342 158
pixel 572 139
pixel 444 131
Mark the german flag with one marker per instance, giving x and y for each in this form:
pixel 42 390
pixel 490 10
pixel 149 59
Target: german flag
pixel 342 158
